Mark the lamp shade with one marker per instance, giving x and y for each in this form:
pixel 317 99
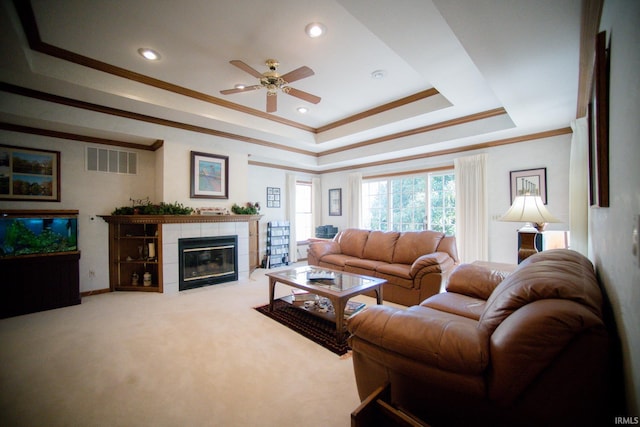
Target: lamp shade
pixel 528 208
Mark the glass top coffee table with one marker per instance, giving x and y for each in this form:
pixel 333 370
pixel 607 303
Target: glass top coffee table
pixel 338 289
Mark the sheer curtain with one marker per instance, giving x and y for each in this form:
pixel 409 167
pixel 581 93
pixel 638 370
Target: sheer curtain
pixel 579 187
pixel 316 204
pixel 291 216
pixel 355 200
pixel 472 235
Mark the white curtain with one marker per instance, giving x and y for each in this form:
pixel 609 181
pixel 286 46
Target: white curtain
pixel 316 204
pixel 472 235
pixel 291 216
pixel 579 187
pixel 354 200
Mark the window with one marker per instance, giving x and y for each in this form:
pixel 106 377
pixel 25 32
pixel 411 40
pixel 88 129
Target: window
pixel 442 203
pixel 410 203
pixel 304 213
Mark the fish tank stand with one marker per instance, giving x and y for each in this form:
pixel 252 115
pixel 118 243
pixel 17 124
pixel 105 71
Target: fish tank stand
pixel 39 260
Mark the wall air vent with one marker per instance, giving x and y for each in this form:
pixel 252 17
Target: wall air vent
pixel 112 161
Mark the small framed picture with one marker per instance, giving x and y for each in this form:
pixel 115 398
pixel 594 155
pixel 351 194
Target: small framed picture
pixel 529 181
pixel 209 176
pixel 335 202
pixel 273 197
pixel 29 174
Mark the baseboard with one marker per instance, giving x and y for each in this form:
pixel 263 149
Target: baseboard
pixel 95 292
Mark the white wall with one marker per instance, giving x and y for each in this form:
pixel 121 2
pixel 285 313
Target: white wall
pixel 91 193
pixel 260 178
pixel 550 153
pixel 163 176
pixel 611 228
pixel 96 193
pixel 328 182
pixel 176 163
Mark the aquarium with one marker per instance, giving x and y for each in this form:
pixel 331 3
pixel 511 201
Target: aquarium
pixel 32 233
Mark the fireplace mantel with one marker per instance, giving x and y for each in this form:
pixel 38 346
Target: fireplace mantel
pixel 170 228
pixel 176 219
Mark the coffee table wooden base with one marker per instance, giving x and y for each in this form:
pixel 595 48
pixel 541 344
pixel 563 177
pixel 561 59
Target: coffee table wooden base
pixel 338 298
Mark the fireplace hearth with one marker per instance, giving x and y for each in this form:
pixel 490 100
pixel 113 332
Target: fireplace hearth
pixel 205 261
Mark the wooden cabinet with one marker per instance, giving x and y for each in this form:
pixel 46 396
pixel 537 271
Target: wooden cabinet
pixel 135 251
pixel 254 244
pixel 130 237
pixel 39 260
pixel 39 282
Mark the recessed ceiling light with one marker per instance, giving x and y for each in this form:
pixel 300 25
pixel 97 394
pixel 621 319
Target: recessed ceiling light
pixel 315 29
pixel 378 74
pixel 239 86
pixel 149 54
pixel 302 110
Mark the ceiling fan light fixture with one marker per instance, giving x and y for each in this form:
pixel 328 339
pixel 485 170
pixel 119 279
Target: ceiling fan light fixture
pixel 315 29
pixel 149 54
pixel 273 82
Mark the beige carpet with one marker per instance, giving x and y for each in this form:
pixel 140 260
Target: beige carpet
pixel 200 358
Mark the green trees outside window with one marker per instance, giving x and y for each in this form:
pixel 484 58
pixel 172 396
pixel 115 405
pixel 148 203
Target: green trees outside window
pixel 410 203
pixel 442 206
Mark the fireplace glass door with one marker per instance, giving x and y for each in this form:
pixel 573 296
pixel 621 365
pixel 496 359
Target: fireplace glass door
pixel 207 261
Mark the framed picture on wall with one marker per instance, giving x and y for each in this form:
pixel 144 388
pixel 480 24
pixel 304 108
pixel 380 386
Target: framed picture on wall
pixel 209 176
pixel 29 174
pixel 335 202
pixel 529 181
pixel 273 197
pixel 598 120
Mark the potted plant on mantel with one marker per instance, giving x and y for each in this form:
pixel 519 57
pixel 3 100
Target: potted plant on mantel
pixel 249 209
pixel 145 207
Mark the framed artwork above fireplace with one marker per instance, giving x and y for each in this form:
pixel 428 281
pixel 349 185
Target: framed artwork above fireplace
pixel 209 176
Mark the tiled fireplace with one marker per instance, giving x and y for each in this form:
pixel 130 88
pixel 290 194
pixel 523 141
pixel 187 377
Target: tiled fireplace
pixel 172 233
pixel 207 261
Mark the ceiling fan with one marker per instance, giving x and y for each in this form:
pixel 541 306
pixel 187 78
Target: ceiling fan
pixel 273 81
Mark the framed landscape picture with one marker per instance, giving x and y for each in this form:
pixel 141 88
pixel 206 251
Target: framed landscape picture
pixel 209 176
pixel 29 174
pixel 529 181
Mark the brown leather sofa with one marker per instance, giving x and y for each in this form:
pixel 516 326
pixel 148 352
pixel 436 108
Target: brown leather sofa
pixel 527 349
pixel 414 263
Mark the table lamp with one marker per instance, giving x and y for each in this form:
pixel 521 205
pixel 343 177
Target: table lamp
pixel 531 210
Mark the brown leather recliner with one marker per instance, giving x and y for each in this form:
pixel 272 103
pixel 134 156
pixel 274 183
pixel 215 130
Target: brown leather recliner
pixel 528 349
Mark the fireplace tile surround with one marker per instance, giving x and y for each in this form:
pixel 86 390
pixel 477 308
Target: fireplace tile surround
pixel 171 233
pixel 172 228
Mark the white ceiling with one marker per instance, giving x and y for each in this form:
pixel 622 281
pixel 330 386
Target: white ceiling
pixel 480 55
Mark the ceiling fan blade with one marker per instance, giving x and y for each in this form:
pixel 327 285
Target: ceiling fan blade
pixel 272 103
pixel 246 68
pixel 298 74
pixel 303 95
pixel 237 90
